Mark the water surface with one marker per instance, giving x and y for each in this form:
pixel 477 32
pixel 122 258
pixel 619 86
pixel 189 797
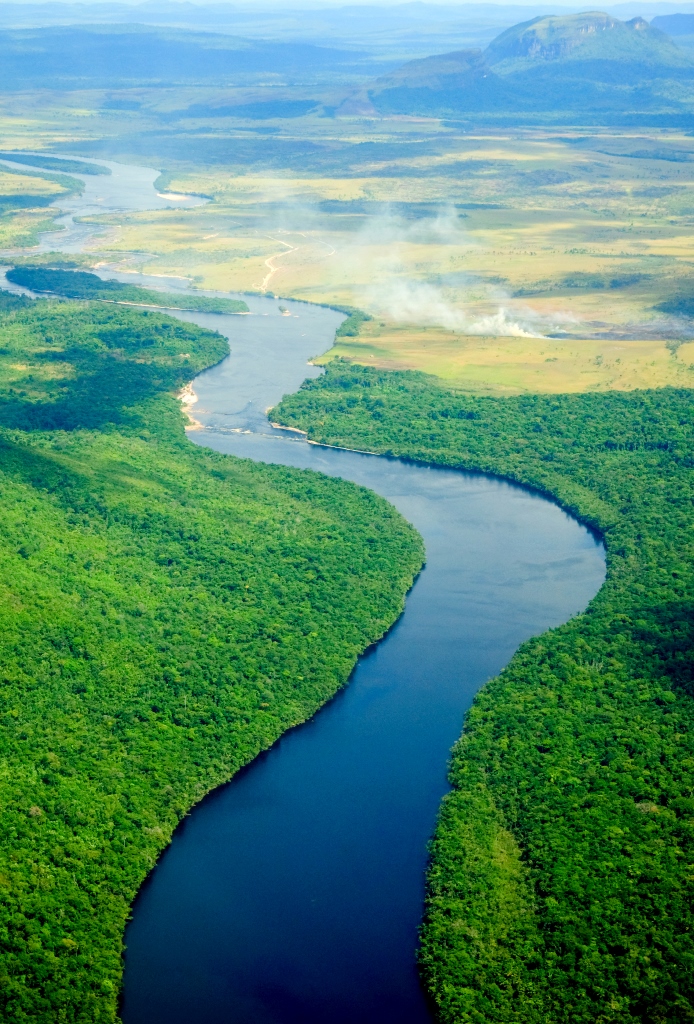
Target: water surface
pixel 293 895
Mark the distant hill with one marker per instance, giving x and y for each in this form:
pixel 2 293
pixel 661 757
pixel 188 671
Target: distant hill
pixel 681 26
pixel 80 57
pixel 449 82
pixel 589 64
pixel 389 32
pixel 674 24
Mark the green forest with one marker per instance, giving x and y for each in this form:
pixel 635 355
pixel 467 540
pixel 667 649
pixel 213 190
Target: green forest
pixel 166 612
pixel 78 284
pixel 562 870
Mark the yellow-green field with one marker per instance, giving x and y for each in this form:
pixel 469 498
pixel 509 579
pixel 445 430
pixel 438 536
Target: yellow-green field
pixel 494 365
pixel 522 234
pixel 27 185
pixel 20 227
pixel 532 232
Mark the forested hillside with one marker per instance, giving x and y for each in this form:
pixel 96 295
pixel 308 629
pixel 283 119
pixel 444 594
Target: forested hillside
pixel 165 613
pixel 562 879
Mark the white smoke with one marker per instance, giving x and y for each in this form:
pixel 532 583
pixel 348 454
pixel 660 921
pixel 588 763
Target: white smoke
pixel 377 267
pixel 415 302
pixel 396 295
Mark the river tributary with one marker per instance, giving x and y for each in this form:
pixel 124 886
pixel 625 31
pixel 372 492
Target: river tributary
pixel 293 894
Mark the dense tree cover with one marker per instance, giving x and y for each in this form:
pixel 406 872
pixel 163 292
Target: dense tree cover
pixel 350 327
pixel 165 613
pixel 78 284
pixel 680 305
pixel 64 366
pixel 562 871
pixel 23 201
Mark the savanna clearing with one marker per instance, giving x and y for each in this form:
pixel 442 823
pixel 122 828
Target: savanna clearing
pixel 502 261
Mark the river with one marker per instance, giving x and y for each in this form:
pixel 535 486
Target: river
pixel 293 894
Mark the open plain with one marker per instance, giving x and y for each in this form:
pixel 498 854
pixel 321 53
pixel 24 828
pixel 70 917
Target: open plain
pixel 572 235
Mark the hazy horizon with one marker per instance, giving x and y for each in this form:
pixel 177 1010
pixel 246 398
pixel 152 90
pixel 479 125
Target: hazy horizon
pixel 316 5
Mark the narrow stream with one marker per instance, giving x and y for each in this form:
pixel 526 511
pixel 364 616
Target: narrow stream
pixel 293 894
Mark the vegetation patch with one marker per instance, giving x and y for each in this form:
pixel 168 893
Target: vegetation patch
pixel 52 163
pixel 351 327
pixel 81 285
pixel 23 226
pixel 561 879
pixel 23 197
pixel 679 305
pixel 620 241
pixel 34 183
pixel 166 613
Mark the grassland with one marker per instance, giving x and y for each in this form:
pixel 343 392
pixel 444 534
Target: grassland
pixel 17 184
pixel 575 234
pixel 23 201
pixel 508 365
pixel 535 214
pixel 23 228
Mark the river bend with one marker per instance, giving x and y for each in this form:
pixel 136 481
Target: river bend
pixel 293 894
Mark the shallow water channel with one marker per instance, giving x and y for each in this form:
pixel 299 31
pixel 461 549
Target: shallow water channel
pixel 293 894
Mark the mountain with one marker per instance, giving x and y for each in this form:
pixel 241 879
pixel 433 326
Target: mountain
pixel 389 32
pixel 589 64
pixel 586 38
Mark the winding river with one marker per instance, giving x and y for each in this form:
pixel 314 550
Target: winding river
pixel 293 894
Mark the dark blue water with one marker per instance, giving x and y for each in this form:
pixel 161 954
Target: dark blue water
pixel 293 895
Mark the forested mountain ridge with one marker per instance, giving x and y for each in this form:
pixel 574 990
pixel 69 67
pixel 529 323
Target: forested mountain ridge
pixel 446 83
pixel 674 24
pixel 561 879
pixel 166 612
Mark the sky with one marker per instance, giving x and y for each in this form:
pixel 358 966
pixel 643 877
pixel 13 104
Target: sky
pixel 295 5
pixel 624 9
